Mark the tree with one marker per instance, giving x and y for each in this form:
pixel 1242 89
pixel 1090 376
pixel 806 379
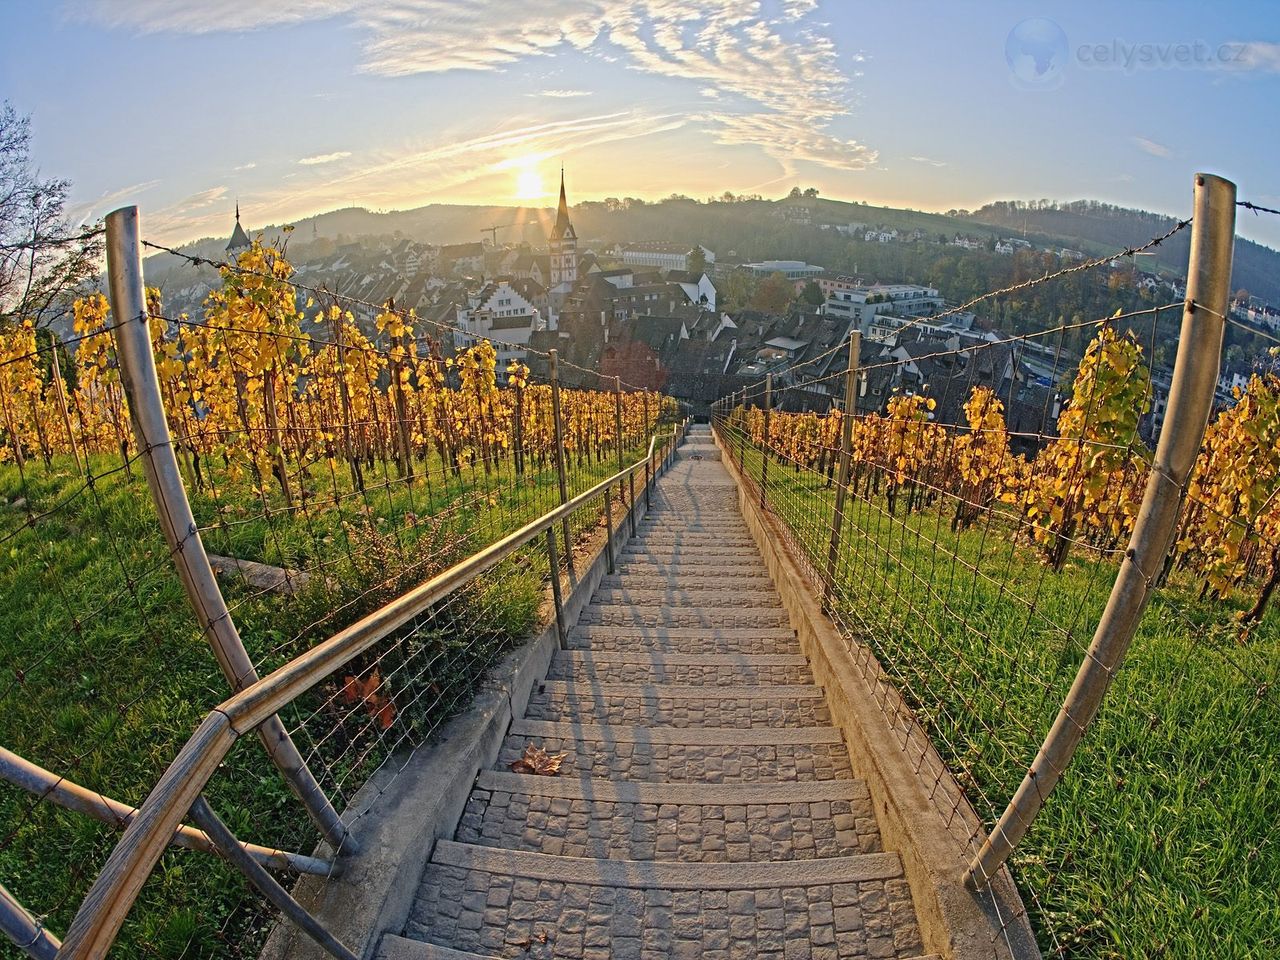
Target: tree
pixel 773 294
pixel 41 254
pixel 812 293
pixel 736 291
pixel 697 260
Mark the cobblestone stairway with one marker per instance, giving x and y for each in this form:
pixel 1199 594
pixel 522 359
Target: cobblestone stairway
pixel 706 806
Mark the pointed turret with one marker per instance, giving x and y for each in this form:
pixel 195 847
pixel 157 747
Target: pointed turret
pixel 239 239
pixel 563 230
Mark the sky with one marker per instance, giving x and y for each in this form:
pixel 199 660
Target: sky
pixel 295 107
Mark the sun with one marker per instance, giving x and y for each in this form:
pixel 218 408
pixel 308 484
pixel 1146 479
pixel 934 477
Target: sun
pixel 529 183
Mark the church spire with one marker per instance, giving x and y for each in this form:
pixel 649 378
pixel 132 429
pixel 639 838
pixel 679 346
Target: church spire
pixel 239 239
pixel 563 227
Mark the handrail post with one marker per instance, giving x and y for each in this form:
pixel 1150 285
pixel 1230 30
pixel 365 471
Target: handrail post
pixel 554 371
pixel 132 335
pixel 617 429
pixel 553 561
pixel 608 530
pixel 764 445
pixel 1195 376
pixel 846 449
pixel 742 436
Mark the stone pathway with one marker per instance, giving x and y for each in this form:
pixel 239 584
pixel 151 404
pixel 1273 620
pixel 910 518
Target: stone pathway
pixel 706 806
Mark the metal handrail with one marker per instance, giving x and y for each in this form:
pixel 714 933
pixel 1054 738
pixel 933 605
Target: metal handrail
pixel 113 893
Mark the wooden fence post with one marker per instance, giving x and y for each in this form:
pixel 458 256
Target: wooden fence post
pixel 132 337
pixel 1195 378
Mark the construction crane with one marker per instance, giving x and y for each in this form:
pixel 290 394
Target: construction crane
pixel 493 231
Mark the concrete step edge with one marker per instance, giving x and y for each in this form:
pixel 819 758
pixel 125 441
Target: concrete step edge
pixel 688 794
pixel 660 659
pixel 669 875
pixel 679 691
pixel 393 947
pixel 673 736
pixel 630 631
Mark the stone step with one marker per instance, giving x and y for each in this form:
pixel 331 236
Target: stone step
pixel 746 559
pixel 392 947
pixel 655 616
pixel 691 823
pixel 706 600
pixel 634 577
pixel 700 640
pixel 674 538
pixel 518 904
pixel 683 754
pixel 677 706
pixel 725 670
pixel 688 556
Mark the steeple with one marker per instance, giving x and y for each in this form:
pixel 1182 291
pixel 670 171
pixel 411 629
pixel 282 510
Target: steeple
pixel 239 239
pixel 563 243
pixel 563 228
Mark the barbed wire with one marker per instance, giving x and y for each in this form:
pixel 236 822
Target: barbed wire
pixel 1017 287
pixel 1256 208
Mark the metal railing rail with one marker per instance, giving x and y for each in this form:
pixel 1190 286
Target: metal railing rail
pixel 47 785
pixel 178 792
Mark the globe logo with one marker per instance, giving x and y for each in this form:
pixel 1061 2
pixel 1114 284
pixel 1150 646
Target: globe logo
pixel 1036 51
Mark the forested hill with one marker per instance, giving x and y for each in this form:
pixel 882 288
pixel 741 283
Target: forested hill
pixel 1256 268
pixel 756 229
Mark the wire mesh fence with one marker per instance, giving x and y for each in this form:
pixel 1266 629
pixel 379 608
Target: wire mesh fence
pixel 331 463
pixel 992 488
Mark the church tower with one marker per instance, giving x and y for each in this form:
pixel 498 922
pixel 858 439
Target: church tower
pixel 564 246
pixel 239 239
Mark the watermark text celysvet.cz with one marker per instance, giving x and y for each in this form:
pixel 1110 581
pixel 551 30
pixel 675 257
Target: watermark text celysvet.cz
pixel 1119 54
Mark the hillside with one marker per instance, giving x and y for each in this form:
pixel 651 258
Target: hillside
pixel 755 229
pixel 1257 268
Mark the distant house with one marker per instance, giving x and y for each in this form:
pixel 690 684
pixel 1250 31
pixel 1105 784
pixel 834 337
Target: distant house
pixel 791 269
pixel 463 258
pixel 663 255
pixel 502 314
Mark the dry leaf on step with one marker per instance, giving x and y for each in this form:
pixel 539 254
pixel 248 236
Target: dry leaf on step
pixel 537 761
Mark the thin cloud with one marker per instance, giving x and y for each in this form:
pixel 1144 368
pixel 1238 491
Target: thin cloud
pixel 929 160
pixel 1259 55
pixel 245 166
pixel 1151 147
pixel 785 74
pixel 324 158
pixel 562 94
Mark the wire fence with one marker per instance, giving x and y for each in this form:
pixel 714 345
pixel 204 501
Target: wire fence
pixel 967 551
pixel 331 466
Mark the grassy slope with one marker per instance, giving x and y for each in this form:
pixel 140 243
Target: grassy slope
pixel 105 673
pixel 1160 841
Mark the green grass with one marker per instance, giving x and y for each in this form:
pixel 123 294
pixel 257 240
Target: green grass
pixel 1160 841
pixel 105 672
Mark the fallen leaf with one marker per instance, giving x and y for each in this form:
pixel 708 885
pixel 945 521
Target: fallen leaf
pixel 538 762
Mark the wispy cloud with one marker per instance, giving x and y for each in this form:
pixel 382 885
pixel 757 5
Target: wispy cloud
pixel 1260 55
pixel 324 158
pixel 93 209
pixel 929 160
pixel 1151 147
pixel 779 79
pixel 244 166
pixel 562 94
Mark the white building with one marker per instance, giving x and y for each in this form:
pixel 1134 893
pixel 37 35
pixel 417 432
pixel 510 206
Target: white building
pixel 664 256
pixel 791 269
pixel 499 313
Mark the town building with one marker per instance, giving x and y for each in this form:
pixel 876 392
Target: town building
pixel 663 255
pixel 791 269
